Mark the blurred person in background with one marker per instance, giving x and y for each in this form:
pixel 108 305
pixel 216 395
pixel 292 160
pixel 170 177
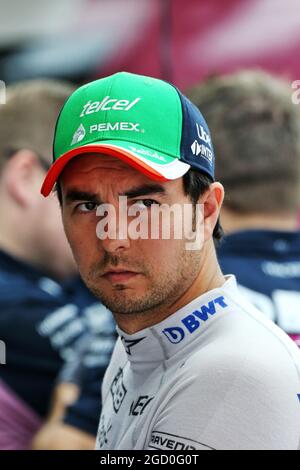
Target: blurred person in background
pixel 73 421
pixel 256 133
pixel 47 316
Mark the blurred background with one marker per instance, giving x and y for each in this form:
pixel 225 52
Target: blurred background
pixel 180 41
pixel 58 336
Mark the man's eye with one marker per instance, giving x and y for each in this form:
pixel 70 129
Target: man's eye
pixel 145 202
pixel 86 206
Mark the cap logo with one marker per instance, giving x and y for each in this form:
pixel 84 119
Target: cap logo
pixel 202 149
pixel 116 126
pixel 196 147
pixel 202 134
pixel 78 135
pixel 147 153
pixel 107 104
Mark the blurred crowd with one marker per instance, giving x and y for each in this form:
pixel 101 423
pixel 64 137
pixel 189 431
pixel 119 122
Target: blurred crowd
pixel 58 336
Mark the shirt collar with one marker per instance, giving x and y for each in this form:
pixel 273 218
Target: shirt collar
pixel 148 347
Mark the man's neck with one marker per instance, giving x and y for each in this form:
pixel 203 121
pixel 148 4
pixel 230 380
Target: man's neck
pixel 209 277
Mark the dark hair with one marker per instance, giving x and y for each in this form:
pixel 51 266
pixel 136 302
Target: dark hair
pixel 195 184
pixel 57 190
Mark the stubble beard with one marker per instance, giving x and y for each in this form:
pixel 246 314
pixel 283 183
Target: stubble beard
pixel 164 288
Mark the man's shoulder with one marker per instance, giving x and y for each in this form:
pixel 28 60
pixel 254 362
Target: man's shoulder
pixel 245 342
pixel 226 375
pixel 262 334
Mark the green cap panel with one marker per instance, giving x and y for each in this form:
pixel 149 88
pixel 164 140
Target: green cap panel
pixel 117 108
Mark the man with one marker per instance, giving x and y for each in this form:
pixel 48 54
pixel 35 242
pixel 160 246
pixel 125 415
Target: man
pixel 196 366
pixel 258 149
pixel 46 314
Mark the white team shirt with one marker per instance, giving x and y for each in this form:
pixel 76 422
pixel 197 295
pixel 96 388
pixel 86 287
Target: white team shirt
pixel 216 374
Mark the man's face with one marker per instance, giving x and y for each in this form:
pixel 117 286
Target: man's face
pixel 130 276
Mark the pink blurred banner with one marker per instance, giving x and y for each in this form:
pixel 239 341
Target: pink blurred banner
pixel 184 41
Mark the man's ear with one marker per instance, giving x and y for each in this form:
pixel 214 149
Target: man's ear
pixel 212 201
pixel 20 177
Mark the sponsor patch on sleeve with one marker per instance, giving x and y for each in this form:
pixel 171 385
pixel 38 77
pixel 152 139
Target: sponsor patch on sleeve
pixel 166 441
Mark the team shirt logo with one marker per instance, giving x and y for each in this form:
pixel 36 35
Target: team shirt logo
pixel 138 406
pixel 104 429
pixel 118 390
pixel 191 322
pixel 167 441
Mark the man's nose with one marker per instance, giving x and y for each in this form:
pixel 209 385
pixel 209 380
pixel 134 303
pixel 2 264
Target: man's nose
pixel 113 231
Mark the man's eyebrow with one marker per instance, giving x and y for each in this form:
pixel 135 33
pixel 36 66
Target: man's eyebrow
pixel 144 190
pixel 73 195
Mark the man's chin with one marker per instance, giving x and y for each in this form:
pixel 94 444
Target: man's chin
pixel 126 298
pixel 124 303
pixel 120 299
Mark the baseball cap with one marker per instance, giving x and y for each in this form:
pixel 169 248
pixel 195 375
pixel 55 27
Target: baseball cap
pixel 144 121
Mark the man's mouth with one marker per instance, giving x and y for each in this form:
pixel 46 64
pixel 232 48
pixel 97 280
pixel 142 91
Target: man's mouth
pixel 119 275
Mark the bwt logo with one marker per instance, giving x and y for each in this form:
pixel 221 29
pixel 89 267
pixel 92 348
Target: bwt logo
pixel 2 353
pixel 191 322
pixel 2 92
